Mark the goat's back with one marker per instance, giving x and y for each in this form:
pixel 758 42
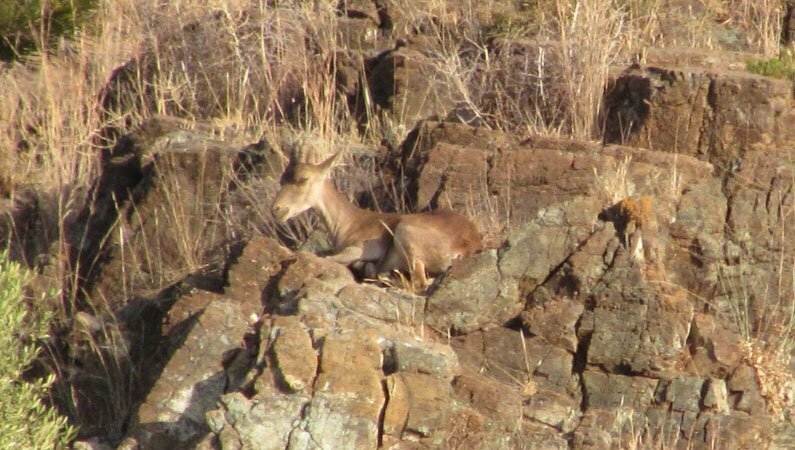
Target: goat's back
pixel 465 239
pixel 436 238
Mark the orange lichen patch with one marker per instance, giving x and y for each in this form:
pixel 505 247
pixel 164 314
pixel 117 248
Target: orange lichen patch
pixel 655 272
pixel 773 376
pixel 638 209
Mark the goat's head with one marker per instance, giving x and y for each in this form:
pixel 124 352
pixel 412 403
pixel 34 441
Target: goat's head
pixel 301 187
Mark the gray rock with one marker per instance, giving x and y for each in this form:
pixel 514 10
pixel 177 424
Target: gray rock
pixel 429 402
pixel 310 271
pixel 294 357
pixel 609 391
pixel 555 321
pixel 637 325
pixel 389 306
pixel 472 295
pixel 261 423
pixel 191 384
pixel 328 424
pixel 532 251
pixel 717 396
pixel 423 357
pixel 554 409
pixel 684 394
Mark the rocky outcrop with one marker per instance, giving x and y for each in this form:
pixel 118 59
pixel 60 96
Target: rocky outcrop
pixel 715 115
pixel 708 107
pixel 599 316
pixel 405 83
pixel 581 330
pixel 151 213
pixel 172 415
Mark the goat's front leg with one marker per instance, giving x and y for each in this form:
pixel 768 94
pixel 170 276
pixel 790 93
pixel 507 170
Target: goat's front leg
pixel 371 270
pixel 418 276
pixel 348 255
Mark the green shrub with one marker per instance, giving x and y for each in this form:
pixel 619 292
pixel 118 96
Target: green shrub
pixel 26 421
pixel 22 23
pixel 781 67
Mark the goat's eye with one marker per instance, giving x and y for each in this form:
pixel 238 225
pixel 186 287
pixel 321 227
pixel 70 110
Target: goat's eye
pixel 302 181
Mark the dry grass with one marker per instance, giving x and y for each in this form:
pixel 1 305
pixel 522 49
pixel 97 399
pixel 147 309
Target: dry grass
pixel 747 25
pixel 762 21
pixel 759 299
pixel 591 38
pixel 54 125
pixel 774 376
pixel 615 183
pixel 763 310
pixel 635 433
pixel 548 75
pixel 256 68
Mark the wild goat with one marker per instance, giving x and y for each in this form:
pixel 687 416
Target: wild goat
pixel 373 241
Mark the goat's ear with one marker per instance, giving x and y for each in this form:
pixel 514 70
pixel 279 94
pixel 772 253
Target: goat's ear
pixel 295 155
pixel 326 166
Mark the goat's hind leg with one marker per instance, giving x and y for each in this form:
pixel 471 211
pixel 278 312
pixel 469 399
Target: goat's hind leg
pixel 347 256
pixel 407 256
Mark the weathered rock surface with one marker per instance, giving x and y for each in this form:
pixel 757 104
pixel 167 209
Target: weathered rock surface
pixel 151 218
pixel 598 318
pixel 576 328
pixel 403 82
pixel 172 415
pixel 473 295
pixel 713 115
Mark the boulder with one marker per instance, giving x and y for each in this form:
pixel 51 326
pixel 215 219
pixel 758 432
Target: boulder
pixel 555 321
pixel 511 357
pixel 609 391
pixel 295 360
pixel 471 295
pixel 154 196
pixel 407 84
pixel 636 327
pixel 194 379
pixel 711 114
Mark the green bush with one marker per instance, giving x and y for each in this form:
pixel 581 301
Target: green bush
pixel 782 67
pixel 26 421
pixel 25 24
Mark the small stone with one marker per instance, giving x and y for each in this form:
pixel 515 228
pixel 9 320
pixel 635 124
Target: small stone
pixel 216 420
pixel 425 357
pixel 430 402
pixel 397 407
pixel 229 439
pixel 684 394
pixel 294 356
pixel 554 409
pixel 91 444
pixel 717 397
pixel 237 404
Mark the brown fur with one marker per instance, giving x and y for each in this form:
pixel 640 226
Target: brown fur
pixel 378 242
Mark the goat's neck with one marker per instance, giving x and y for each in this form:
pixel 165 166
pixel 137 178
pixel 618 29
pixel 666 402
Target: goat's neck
pixel 337 212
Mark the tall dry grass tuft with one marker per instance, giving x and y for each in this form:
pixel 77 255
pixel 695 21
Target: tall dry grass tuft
pixel 547 75
pixel 615 183
pixel 763 22
pixel 759 299
pixel 591 37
